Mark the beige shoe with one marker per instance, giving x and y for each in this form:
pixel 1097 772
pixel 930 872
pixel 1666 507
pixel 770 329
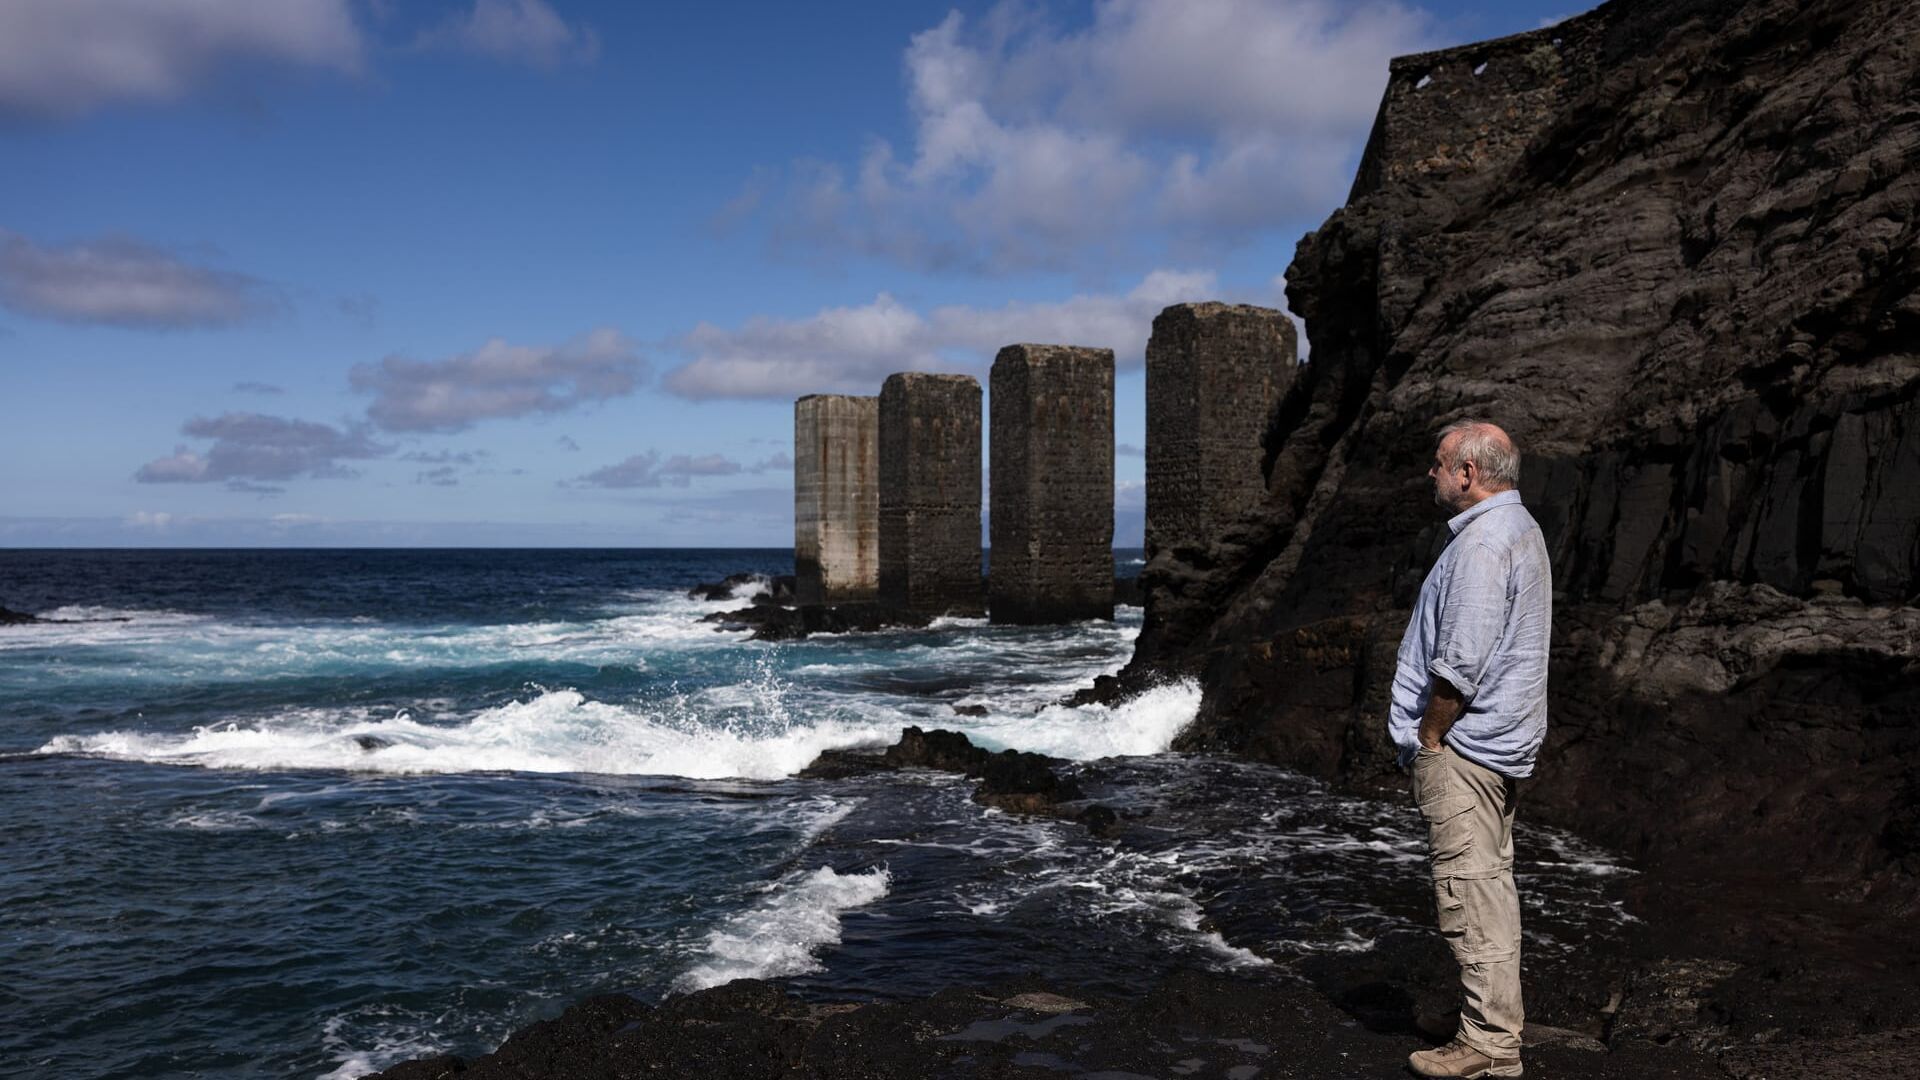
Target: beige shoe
pixel 1457 1059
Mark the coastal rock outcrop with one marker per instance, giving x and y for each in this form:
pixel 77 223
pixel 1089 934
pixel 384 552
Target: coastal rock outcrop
pixel 771 621
pixel 1012 780
pixel 1669 244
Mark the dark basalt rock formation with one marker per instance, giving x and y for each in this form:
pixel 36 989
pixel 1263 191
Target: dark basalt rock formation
pixel 1190 1024
pixel 1670 246
pixel 1013 780
pixel 772 622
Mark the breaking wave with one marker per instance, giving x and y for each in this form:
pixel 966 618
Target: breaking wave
pixel 559 731
pixel 781 934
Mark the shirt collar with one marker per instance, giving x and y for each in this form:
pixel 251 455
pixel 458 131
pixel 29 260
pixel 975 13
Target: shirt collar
pixel 1465 517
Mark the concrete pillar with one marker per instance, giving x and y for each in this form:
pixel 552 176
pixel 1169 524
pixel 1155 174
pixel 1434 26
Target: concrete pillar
pixel 1215 373
pixel 836 499
pixel 1052 491
pixel 930 493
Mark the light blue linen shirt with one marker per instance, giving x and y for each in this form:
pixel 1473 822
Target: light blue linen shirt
pixel 1483 623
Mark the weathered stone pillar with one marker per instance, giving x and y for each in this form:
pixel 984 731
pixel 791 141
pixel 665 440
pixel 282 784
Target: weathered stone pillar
pixel 1052 456
pixel 930 493
pixel 836 499
pixel 1215 373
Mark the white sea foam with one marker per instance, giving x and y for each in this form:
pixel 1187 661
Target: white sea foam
pixel 81 625
pixel 1184 912
pixel 386 1035
pixel 782 933
pixel 171 642
pixel 1145 724
pixel 556 731
pixel 97 613
pixel 216 821
pixel 752 587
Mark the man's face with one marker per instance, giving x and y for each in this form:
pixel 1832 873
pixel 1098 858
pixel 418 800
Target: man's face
pixel 1445 474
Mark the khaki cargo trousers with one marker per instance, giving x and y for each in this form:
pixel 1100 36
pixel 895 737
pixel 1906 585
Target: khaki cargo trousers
pixel 1469 814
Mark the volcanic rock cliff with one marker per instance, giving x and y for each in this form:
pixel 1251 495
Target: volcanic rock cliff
pixel 1669 245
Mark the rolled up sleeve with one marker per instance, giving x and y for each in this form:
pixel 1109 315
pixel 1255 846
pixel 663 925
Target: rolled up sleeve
pixel 1472 616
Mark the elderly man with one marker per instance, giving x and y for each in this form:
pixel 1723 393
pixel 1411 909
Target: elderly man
pixel 1469 713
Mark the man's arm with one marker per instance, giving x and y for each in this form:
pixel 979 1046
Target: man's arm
pixel 1444 706
pixel 1473 612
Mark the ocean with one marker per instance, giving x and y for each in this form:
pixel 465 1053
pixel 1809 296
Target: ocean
pixel 310 813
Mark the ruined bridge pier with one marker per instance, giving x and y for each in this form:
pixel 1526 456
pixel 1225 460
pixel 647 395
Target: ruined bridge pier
pixel 930 494
pixel 1215 374
pixel 1051 553
pixel 836 499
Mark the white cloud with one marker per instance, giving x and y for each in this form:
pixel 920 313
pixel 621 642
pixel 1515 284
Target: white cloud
pixel 116 281
pixel 852 349
pixel 1040 147
pixel 498 380
pixel 517 31
pixel 63 58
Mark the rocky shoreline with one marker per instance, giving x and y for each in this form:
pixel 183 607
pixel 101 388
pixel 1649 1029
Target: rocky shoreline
pixel 1715 977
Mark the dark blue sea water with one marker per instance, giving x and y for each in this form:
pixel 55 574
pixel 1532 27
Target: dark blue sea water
pixel 307 813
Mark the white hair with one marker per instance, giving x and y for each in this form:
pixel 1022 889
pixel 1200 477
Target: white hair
pixel 1489 448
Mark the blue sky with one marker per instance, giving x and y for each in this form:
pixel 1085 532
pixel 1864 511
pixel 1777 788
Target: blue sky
pixel 550 272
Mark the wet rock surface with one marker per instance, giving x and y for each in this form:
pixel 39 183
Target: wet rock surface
pixel 1192 1024
pixel 1012 780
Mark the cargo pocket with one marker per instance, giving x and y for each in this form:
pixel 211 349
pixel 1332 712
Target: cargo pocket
pixel 1449 829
